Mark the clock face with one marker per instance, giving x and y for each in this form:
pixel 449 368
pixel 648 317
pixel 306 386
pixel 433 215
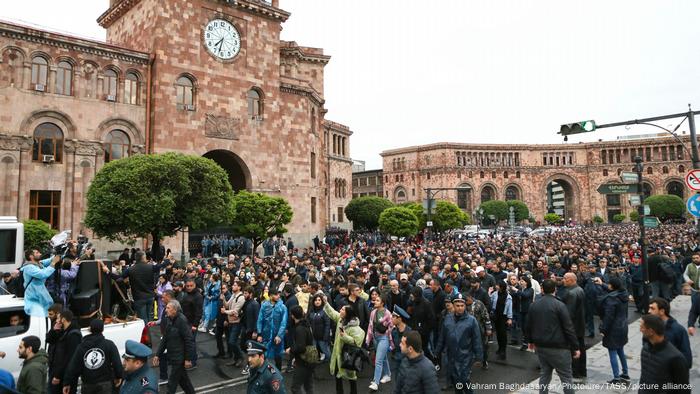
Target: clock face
pixel 222 39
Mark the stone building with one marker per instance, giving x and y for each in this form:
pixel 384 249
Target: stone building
pixel 204 77
pixel 367 183
pixel 548 178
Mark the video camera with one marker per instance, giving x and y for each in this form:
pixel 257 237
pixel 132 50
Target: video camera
pixel 61 244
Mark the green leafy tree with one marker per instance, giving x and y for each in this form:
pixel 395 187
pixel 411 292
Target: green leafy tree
pixel 364 211
pixel 157 195
pixel 552 218
pixel 598 220
pixel 496 208
pixel 37 234
pixel 448 216
pixel 398 221
pixel 634 216
pixel 521 210
pixel 258 216
pixel 619 218
pixel 417 210
pixel 665 206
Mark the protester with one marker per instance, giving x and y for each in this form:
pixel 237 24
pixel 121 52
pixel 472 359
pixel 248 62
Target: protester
pixel 674 333
pixel 574 298
pixel 32 377
pixel 65 337
pixel 379 335
pixel 664 368
pixel 180 345
pixel 163 286
pixel 502 316
pixel 35 271
pixel 347 332
pixel 416 374
pixel 303 339
pixel 320 326
pixel 192 305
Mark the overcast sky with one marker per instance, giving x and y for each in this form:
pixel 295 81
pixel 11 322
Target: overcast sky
pixel 408 72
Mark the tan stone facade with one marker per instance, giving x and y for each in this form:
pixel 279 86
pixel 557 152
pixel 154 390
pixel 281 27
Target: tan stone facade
pixel 260 115
pixel 526 172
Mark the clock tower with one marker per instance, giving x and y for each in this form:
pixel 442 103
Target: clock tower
pixel 223 85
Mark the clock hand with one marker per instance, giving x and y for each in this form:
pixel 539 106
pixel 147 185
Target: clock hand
pixel 221 43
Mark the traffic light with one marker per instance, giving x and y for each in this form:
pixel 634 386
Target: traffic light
pixel 577 128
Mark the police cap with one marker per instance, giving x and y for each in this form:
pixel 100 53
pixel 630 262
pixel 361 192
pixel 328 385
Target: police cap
pixel 254 347
pixel 135 349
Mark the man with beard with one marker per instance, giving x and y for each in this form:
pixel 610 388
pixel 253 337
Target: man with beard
pixel 32 377
pixel 65 337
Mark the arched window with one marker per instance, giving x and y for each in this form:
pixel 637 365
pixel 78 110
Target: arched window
pixel 481 174
pixel 487 193
pixel 675 188
pixel 681 169
pixel 505 174
pixel 313 165
pixel 664 170
pixel 648 190
pixel 255 108
pixel 517 174
pixel 184 88
pixel 512 193
pixel 117 145
pixel 48 141
pixel 64 79
pixel 605 172
pixel 40 72
pixel 650 170
pixel 313 120
pixel 131 89
pixel 109 87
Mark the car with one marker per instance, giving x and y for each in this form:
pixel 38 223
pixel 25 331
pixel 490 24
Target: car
pixel 10 336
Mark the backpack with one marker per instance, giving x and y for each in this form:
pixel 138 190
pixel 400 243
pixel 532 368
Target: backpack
pixel 21 287
pixel 311 354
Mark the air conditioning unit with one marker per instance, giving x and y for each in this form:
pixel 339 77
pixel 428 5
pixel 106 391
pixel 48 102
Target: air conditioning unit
pixel 39 87
pixel 47 159
pixel 111 97
pixel 189 107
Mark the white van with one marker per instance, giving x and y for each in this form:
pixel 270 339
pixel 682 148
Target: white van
pixel 10 336
pixel 11 243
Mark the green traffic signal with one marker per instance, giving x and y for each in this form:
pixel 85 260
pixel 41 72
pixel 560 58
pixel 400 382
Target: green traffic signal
pixel 585 126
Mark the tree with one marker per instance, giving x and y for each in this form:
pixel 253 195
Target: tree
pixel 258 216
pixel 665 206
pixel 37 234
pixel 634 216
pixel 552 218
pixel 364 211
pixel 157 195
pixel 598 220
pixel 398 221
pixel 496 208
pixel 521 210
pixel 448 216
pixel 417 210
pixel 619 218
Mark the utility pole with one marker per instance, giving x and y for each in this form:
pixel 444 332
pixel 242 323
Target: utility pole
pixel 639 168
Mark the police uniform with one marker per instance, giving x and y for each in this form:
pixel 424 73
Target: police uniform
pixel 396 355
pixel 143 380
pixel 265 379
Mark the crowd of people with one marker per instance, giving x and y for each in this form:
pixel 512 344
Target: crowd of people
pixel 418 310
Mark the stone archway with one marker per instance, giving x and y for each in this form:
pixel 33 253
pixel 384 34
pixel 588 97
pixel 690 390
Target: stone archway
pixel 562 195
pixel 238 173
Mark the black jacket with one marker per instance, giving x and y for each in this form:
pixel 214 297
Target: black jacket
pixel 360 307
pixel 177 339
pixel 662 364
pixel 416 376
pixel 249 317
pixel 320 324
pixel 64 343
pixel 614 319
pixel 141 280
pixel 422 317
pixel 96 360
pixel 192 304
pixel 302 339
pixel 549 325
pixel 575 301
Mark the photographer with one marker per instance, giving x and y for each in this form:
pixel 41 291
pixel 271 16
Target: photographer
pixel 59 284
pixel 37 299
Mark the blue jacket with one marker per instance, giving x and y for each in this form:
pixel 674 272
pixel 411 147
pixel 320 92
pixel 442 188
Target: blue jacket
pixel 272 322
pixel 508 310
pixel 37 299
pixel 264 380
pixel 141 381
pixel 461 337
pixel 678 337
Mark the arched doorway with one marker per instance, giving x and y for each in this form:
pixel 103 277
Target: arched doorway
pixel 488 193
pixel 238 174
pixel 560 193
pixel 513 193
pixel 400 196
pixel 676 188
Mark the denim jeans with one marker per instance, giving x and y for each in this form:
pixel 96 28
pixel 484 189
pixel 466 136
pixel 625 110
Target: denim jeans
pixel 660 289
pixel 233 342
pixel 381 362
pixel 144 309
pixel 324 348
pixel 614 354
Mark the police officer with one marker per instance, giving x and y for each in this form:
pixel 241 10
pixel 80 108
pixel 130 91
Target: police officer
pixel 264 377
pixel 96 361
pixel 399 317
pixel 140 378
pixel 461 338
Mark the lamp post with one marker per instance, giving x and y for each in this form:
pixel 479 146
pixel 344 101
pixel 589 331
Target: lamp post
pixel 639 169
pixel 182 248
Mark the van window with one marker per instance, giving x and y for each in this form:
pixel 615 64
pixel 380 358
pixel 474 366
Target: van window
pixel 13 322
pixel 8 245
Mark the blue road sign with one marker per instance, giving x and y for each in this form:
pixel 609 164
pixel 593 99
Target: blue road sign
pixel 693 205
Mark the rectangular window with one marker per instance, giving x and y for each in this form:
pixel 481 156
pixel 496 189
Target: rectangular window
pixel 313 165
pixel 613 200
pixel 340 215
pixel 647 153
pixel 373 181
pixel 355 182
pixel 363 181
pixel 313 209
pixel 45 205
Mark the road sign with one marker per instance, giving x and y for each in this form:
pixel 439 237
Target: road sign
pixel 651 222
pixel 429 224
pixel 635 200
pixel 647 210
pixel 628 177
pixel 692 180
pixel 693 205
pixel 616 188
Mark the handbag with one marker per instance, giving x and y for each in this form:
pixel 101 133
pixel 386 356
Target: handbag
pixel 353 358
pixel 311 354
